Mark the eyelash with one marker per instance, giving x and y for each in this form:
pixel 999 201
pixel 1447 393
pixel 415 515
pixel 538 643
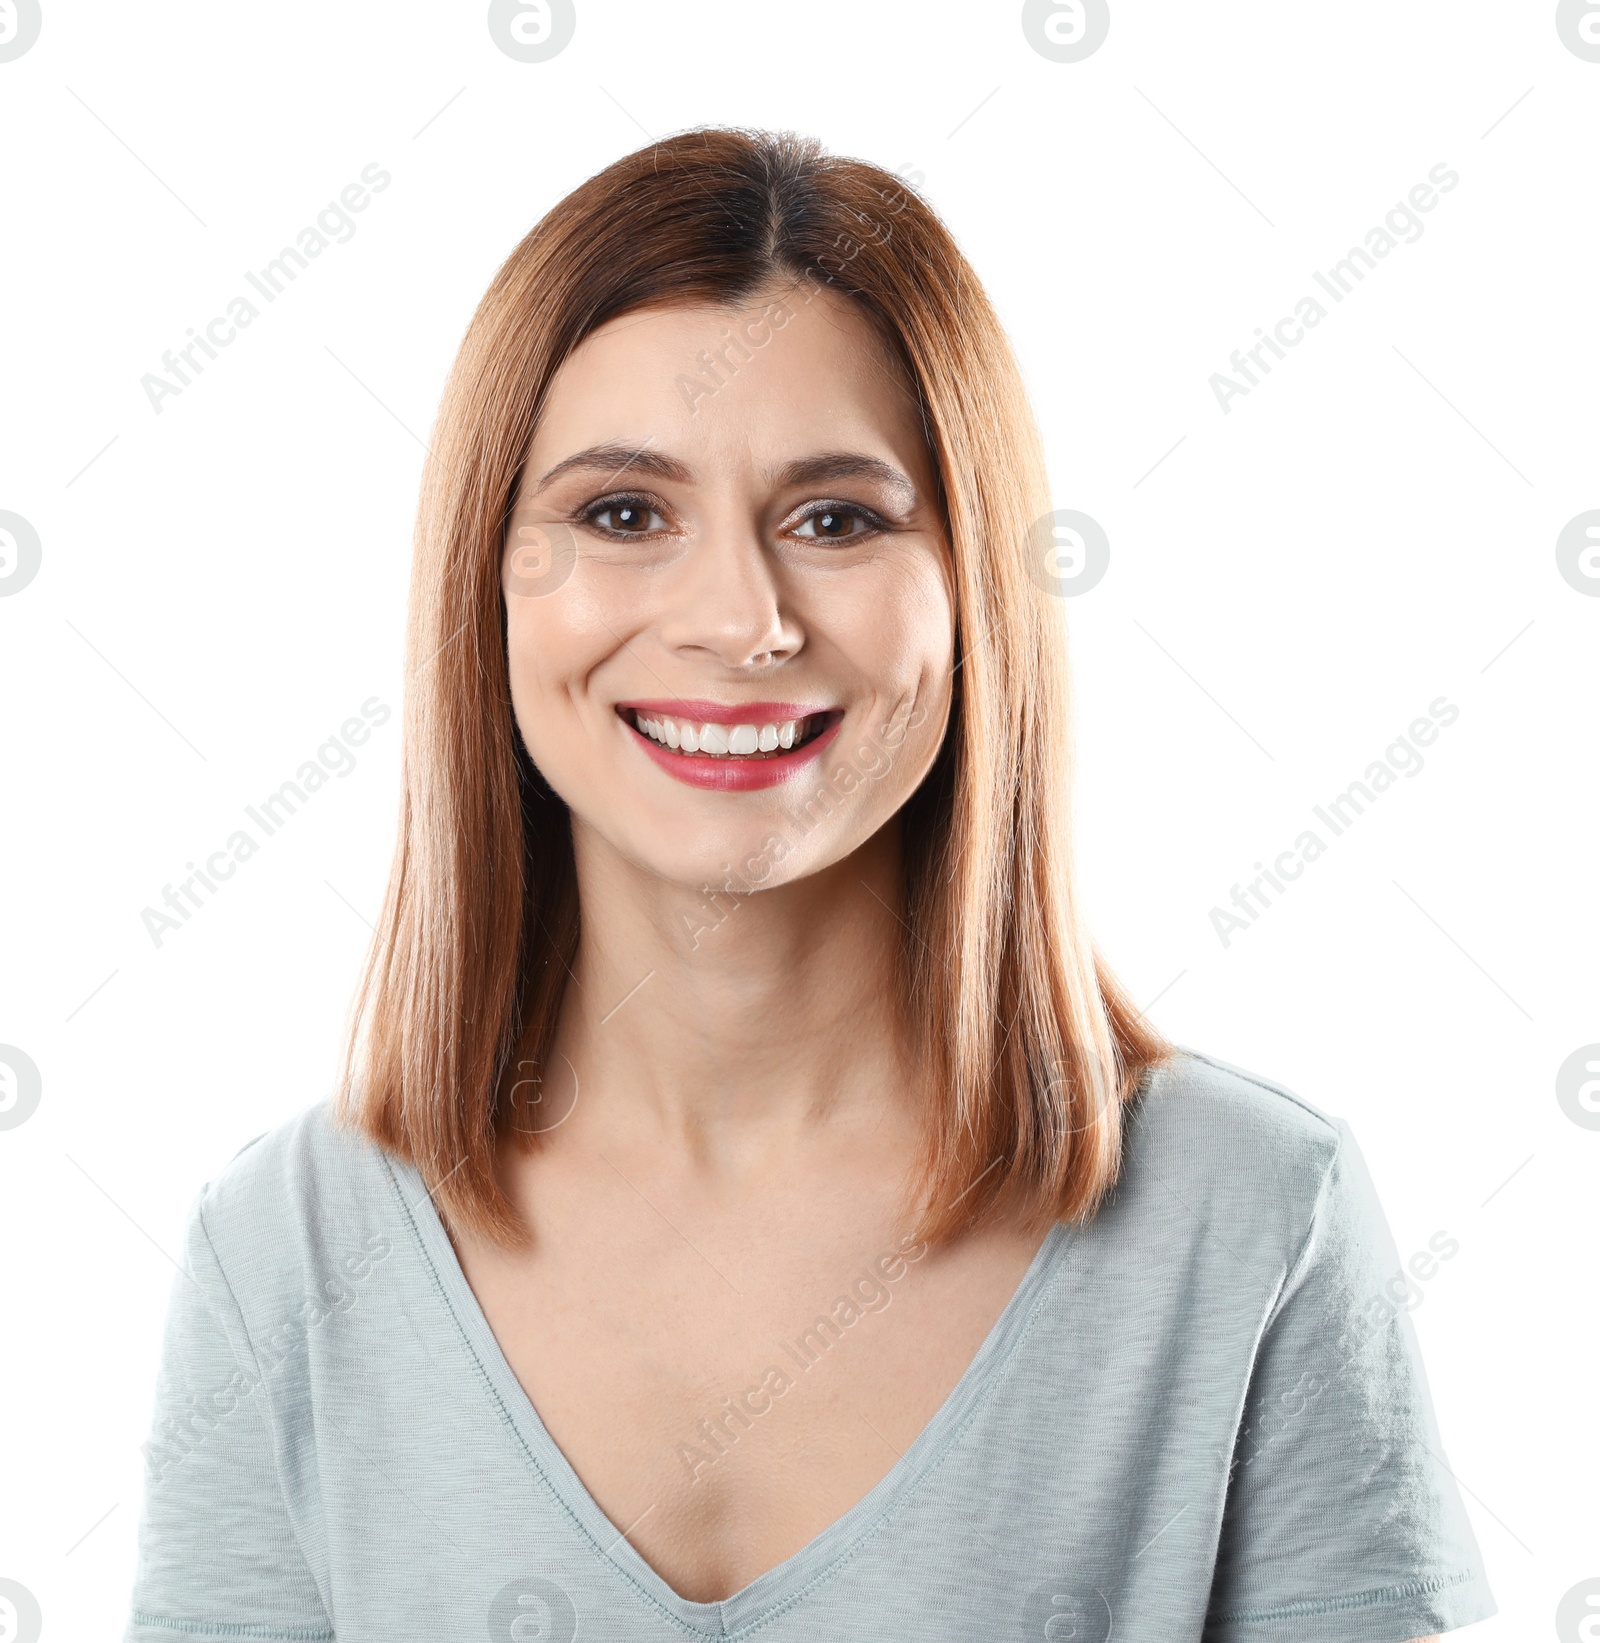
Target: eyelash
pixel 590 515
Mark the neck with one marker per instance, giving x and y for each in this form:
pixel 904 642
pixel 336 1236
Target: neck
pixel 731 1024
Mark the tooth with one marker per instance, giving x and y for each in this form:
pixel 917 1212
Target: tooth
pixel 673 739
pixel 768 738
pixel 743 739
pixel 714 739
pixel 691 742
pixel 786 733
pixel 648 726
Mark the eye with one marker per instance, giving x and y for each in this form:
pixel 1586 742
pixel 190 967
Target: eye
pixel 625 516
pixel 835 522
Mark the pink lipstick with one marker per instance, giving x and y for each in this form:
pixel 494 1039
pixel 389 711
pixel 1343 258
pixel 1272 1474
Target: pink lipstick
pixel 729 747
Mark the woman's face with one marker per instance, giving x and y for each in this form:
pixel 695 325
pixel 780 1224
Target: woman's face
pixel 729 617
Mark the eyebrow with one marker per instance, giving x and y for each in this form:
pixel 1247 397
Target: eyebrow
pixel 813 470
pixel 613 460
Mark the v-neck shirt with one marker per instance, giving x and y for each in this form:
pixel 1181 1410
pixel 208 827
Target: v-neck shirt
pixel 1201 1417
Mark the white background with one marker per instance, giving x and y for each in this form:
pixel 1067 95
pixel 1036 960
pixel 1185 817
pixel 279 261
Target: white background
pixel 1291 583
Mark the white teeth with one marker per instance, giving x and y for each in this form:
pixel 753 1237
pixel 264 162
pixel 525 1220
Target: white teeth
pixel 721 740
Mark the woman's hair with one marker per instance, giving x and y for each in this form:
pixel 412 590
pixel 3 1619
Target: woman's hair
pixel 1031 1047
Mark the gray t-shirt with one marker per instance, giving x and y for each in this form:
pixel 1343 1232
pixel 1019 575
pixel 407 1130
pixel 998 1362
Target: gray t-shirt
pixel 1201 1417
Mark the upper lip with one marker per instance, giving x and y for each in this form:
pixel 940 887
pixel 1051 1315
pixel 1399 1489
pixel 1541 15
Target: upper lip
pixel 722 713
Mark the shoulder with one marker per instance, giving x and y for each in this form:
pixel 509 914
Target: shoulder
pixel 1231 1147
pixel 288 1171
pixel 295 1208
pixel 1206 1100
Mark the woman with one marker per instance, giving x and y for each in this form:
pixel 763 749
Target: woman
pixel 752 1206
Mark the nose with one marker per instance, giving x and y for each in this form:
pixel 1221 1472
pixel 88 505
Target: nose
pixel 724 599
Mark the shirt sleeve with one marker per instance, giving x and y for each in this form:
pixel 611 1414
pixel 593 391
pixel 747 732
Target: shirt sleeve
pixel 218 1554
pixel 1343 1522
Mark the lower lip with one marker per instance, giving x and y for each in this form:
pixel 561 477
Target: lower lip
pixel 734 775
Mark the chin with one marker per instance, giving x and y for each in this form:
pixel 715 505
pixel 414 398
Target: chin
pixel 736 860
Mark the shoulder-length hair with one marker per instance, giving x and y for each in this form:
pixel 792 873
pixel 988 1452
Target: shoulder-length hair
pixel 1031 1047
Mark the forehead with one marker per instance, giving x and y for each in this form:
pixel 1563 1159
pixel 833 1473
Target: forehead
pixel 789 371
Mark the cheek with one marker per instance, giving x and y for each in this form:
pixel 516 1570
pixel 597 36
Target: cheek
pixel 897 629
pixel 897 636
pixel 550 650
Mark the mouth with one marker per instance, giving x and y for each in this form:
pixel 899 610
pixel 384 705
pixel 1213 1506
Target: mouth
pixel 738 747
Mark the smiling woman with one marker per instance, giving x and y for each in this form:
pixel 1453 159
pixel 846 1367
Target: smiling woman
pixel 732 987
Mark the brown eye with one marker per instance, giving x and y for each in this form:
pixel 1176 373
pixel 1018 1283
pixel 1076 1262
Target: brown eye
pixel 834 524
pixel 630 517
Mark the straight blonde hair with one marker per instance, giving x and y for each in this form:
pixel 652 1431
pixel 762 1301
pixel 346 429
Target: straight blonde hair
pixel 1031 1047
